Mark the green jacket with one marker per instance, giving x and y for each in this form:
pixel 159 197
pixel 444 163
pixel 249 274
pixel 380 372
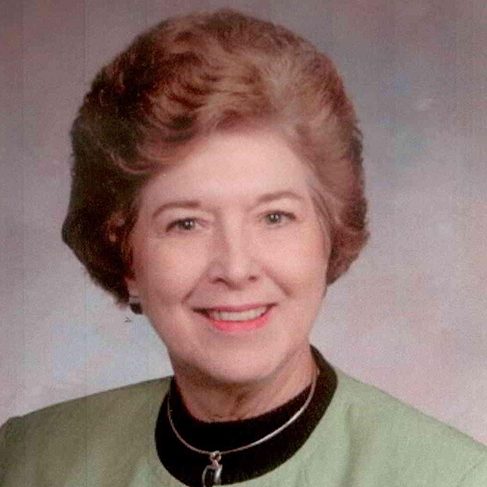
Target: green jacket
pixel 365 439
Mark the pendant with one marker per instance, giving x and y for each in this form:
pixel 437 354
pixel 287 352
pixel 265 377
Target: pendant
pixel 212 473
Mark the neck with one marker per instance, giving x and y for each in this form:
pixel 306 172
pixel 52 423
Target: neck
pixel 209 401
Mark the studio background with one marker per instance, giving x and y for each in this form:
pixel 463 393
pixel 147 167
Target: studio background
pixel 410 315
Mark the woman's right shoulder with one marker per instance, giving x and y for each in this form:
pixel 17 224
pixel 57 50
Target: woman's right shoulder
pixel 101 421
pixel 112 400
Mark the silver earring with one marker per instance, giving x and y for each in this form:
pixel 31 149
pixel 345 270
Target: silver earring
pixel 134 304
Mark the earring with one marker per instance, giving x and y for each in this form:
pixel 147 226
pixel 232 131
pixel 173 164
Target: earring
pixel 134 305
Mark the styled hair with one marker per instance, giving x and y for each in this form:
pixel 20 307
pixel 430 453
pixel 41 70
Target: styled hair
pixel 181 81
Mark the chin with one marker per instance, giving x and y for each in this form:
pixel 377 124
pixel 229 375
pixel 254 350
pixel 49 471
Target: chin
pixel 241 373
pixel 241 365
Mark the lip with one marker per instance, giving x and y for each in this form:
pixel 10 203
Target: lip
pixel 238 326
pixel 230 308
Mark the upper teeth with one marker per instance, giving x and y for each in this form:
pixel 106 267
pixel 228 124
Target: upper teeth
pixel 250 314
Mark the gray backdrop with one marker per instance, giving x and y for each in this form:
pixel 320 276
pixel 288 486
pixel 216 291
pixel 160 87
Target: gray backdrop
pixel 410 315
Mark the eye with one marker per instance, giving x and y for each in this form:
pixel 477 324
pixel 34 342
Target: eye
pixel 275 218
pixel 183 224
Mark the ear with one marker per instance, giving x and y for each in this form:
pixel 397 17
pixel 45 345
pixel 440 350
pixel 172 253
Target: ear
pixel 134 299
pixel 131 284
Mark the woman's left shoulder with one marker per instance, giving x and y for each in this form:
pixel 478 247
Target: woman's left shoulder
pixel 388 435
pixel 373 402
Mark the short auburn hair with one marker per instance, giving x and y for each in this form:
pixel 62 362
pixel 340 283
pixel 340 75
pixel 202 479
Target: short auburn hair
pixel 182 80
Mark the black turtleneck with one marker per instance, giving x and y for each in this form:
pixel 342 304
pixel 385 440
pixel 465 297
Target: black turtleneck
pixel 187 466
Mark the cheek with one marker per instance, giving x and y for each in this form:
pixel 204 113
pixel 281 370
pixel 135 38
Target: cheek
pixel 300 263
pixel 166 274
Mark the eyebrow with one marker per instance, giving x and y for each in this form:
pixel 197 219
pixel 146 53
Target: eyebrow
pixel 192 204
pixel 277 195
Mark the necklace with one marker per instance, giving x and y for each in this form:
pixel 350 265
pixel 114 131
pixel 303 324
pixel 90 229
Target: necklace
pixel 212 472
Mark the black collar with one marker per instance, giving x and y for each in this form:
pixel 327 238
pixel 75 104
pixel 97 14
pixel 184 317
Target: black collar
pixel 187 466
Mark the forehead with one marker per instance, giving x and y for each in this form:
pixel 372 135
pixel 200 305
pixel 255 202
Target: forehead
pixel 232 165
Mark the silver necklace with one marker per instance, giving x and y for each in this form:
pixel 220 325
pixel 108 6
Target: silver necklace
pixel 213 471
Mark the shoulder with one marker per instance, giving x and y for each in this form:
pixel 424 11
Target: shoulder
pixel 118 403
pixel 386 436
pixel 65 434
pixel 364 401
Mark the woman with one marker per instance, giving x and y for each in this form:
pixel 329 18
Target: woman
pixel 217 188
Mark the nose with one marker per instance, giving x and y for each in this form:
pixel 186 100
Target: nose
pixel 233 261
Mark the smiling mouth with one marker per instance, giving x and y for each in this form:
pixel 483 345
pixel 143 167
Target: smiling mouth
pixel 231 320
pixel 247 315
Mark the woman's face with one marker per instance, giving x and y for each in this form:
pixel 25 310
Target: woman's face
pixel 229 258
